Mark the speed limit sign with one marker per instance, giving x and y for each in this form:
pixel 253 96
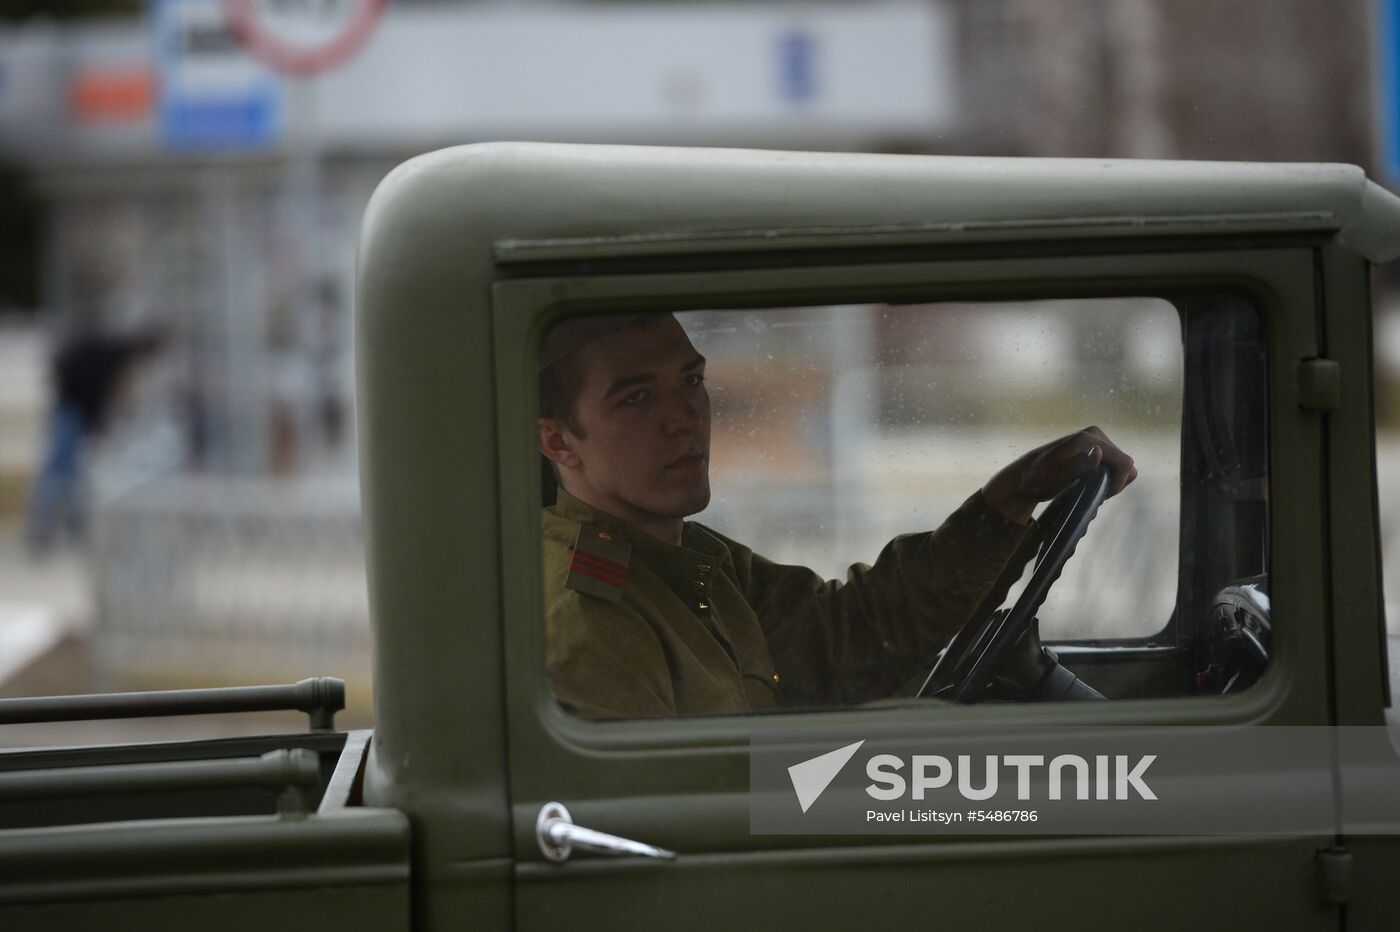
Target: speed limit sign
pixel 303 37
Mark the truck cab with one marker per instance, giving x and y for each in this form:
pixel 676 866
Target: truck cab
pixel 880 332
pixel 471 256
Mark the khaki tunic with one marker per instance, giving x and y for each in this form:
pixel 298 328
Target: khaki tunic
pixel 638 627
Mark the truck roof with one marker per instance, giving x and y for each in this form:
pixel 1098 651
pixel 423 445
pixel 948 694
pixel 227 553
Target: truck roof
pixel 538 201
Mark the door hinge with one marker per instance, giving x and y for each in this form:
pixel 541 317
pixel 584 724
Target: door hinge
pixel 1335 871
pixel 1318 383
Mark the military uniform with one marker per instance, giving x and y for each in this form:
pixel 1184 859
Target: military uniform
pixel 638 627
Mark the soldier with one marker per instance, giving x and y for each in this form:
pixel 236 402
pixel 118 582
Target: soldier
pixel 651 615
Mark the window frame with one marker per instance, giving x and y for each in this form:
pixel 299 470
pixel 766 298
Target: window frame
pixel 1277 281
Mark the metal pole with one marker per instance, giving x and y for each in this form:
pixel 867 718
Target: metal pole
pixel 320 697
pixel 293 771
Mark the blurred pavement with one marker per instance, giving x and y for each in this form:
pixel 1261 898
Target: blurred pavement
pixel 44 602
pixel 47 611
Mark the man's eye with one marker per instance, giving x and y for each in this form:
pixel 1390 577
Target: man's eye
pixel 693 379
pixel 637 396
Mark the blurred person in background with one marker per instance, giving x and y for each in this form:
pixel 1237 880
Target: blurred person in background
pixel 90 373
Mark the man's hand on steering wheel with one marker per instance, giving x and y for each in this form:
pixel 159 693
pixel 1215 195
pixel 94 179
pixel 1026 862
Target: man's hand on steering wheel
pixel 1078 471
pixel 1048 470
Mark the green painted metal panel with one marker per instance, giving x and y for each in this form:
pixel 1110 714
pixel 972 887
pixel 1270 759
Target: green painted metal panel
pixel 523 200
pixel 383 908
pixel 468 254
pixel 1091 884
pixel 1353 527
pixel 163 857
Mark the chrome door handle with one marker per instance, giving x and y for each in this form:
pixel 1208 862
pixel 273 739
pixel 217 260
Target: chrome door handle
pixel 558 836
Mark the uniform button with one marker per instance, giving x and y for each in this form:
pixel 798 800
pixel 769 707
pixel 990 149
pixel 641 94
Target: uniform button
pixel 703 568
pixel 604 535
pixel 776 677
pixel 702 604
pixel 697 584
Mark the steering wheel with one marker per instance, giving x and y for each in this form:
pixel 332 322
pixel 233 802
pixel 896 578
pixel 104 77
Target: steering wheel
pixel 1007 643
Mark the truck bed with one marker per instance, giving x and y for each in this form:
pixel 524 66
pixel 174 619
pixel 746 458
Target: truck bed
pixel 257 832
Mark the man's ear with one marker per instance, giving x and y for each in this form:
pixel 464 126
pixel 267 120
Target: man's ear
pixel 556 443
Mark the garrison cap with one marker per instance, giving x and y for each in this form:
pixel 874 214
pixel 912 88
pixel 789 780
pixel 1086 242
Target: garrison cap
pixel 569 335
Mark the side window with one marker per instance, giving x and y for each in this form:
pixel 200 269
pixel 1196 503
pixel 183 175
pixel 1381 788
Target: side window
pixel 818 507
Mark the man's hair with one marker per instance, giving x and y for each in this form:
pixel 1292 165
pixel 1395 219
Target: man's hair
pixel 559 387
pixel 561 381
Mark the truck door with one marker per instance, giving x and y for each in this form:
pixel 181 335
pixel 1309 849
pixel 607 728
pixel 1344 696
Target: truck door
pixel 863 393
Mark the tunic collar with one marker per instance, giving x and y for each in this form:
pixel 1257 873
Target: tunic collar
pixel 700 552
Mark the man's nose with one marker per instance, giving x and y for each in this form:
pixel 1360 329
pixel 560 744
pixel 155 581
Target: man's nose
pixel 682 415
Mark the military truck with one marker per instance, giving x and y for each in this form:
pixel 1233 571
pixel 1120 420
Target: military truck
pixel 478 801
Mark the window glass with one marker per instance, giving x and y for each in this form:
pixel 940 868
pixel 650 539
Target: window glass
pixel 796 507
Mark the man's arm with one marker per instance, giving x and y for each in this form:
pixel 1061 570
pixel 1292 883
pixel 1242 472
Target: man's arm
pixel 836 642
pixel 841 643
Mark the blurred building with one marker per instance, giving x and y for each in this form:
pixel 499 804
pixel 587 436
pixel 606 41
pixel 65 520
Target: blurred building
pixel 1290 80
pixel 186 183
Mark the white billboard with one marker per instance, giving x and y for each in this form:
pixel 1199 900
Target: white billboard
pixel 821 74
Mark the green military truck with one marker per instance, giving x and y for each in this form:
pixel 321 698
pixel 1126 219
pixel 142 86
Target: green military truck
pixel 1218 316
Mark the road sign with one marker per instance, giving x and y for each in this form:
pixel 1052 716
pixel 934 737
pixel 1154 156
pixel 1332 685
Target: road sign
pixel 212 96
pixel 303 37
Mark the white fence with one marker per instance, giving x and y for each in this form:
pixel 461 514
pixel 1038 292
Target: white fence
pixel 212 580
pixel 205 579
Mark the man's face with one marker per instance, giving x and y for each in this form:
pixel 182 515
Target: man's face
pixel 644 412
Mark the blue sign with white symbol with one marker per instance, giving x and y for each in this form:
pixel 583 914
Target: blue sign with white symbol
pixel 1388 59
pixel 214 97
pixel 797 79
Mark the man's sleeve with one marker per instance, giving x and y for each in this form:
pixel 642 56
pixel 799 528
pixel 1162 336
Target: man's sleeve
pixel 605 660
pixel 837 643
